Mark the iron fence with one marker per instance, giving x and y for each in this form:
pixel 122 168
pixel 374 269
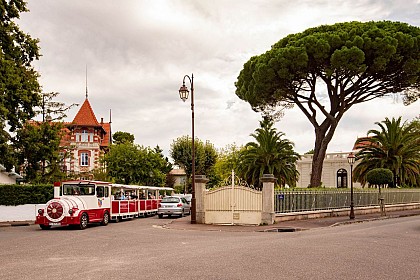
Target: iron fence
pixel 286 201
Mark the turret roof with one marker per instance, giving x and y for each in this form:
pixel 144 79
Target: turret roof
pixel 86 116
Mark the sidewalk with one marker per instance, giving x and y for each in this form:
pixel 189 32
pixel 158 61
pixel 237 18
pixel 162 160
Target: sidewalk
pixel 288 226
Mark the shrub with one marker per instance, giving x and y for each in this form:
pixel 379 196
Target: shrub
pixel 179 189
pixel 379 176
pixel 25 194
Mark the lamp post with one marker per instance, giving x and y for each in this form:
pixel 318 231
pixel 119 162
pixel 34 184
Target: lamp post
pixel 351 159
pixel 183 94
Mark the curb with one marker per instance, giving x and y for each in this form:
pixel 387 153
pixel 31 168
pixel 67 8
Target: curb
pixel 16 224
pixel 375 219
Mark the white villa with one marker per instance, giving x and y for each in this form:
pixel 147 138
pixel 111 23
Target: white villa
pixel 335 171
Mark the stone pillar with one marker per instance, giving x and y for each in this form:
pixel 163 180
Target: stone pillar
pixel 200 189
pixel 267 215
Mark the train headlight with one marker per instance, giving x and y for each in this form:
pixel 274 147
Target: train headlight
pixel 71 211
pixel 41 212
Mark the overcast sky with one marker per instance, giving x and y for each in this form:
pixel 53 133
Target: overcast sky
pixel 137 53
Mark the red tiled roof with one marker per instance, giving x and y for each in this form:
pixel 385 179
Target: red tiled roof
pixel 85 116
pixel 65 139
pixel 107 128
pixel 363 142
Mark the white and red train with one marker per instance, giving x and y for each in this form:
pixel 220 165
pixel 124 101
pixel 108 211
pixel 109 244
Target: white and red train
pixel 82 202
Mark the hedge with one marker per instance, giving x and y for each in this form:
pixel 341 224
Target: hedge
pixel 25 194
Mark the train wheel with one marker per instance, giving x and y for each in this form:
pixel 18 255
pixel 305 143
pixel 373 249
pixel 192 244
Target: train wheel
pixel 160 216
pixel 45 226
pixel 84 219
pixel 105 220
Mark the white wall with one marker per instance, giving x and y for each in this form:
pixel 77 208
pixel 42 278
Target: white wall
pixel 18 213
pixel 6 179
pixel 332 163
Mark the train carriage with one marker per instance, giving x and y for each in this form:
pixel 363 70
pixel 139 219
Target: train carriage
pixel 80 202
pixel 124 203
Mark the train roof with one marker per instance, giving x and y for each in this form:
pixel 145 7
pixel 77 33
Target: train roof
pixel 85 181
pixel 118 185
pixel 142 187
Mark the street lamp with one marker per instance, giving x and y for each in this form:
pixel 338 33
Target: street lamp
pixel 183 94
pixel 351 158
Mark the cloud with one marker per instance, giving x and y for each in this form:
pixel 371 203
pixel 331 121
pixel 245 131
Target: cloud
pixel 137 53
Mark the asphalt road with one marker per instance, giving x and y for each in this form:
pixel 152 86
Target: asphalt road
pixel 142 249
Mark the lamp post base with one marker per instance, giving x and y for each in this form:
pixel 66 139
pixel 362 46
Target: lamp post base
pixel 352 212
pixel 193 211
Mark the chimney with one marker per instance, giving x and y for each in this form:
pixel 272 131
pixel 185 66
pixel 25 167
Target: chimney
pixel 102 120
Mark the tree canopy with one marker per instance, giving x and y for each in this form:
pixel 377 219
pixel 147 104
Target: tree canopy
pixel 205 156
pixel 327 69
pixel 37 143
pixel 38 151
pixel 269 154
pixel 227 160
pixel 129 163
pixel 120 137
pixel 19 87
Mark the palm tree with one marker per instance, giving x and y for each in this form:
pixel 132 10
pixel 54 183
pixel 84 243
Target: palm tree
pixel 269 154
pixel 395 146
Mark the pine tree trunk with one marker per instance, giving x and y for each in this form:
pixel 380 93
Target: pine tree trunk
pixel 317 165
pixel 323 136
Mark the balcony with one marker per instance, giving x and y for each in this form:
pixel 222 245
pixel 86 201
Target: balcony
pixel 89 145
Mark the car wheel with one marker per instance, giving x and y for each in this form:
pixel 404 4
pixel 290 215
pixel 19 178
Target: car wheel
pixel 45 226
pixel 84 219
pixel 160 216
pixel 105 220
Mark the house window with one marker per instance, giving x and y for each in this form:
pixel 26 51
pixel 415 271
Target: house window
pixel 84 159
pixel 84 136
pixel 341 178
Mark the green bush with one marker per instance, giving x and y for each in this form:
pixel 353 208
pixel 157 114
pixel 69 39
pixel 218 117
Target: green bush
pixel 179 189
pixel 379 176
pixel 25 194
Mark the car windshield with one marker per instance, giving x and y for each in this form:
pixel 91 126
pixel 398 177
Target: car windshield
pixel 170 200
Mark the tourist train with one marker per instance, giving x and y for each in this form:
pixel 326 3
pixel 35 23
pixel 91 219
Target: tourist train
pixel 80 202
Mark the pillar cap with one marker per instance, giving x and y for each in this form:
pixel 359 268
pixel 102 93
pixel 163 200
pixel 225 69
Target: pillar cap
pixel 268 178
pixel 201 179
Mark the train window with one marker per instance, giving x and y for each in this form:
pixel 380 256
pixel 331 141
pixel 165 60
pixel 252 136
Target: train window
pixel 78 189
pixel 106 192
pixel 67 190
pixel 100 191
pixel 87 190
